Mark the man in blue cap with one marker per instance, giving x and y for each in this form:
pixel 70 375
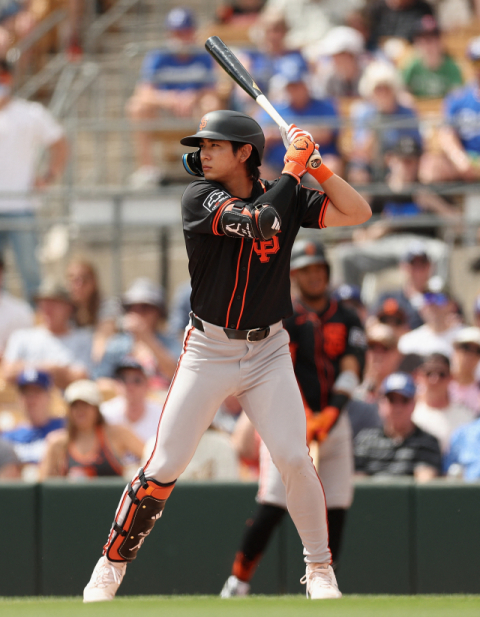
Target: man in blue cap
pixel 299 108
pixel 176 80
pixel 28 438
pixel 399 447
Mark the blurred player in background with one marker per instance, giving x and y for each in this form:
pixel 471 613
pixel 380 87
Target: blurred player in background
pixel 327 344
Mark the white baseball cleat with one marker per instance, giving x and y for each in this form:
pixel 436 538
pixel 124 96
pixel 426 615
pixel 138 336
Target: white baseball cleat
pixel 234 587
pixel 105 580
pixel 321 582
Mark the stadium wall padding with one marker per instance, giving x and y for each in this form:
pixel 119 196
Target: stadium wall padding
pixel 400 538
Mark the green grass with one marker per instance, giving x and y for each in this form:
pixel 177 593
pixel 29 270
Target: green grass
pixel 254 606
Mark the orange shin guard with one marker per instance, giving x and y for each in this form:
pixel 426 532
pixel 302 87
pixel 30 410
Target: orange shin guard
pixel 146 507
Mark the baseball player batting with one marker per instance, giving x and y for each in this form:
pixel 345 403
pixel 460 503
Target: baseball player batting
pixel 239 232
pixel 327 344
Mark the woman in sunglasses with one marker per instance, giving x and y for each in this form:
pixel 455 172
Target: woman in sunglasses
pixel 434 412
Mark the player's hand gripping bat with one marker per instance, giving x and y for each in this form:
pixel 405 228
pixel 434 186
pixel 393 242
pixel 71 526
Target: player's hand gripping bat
pixel 232 65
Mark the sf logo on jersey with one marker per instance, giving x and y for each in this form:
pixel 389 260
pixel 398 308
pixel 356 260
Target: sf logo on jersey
pixel 265 248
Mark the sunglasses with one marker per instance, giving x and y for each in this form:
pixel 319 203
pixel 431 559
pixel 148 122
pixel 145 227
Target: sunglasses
pixel 391 320
pixel 439 374
pixel 378 347
pixel 137 381
pixel 437 299
pixel 469 347
pixel 396 397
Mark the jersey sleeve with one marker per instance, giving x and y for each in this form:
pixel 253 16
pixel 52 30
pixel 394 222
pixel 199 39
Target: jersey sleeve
pixel 150 65
pixel 202 204
pixel 313 205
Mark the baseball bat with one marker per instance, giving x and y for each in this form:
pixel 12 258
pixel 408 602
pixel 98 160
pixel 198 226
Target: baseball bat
pixel 222 54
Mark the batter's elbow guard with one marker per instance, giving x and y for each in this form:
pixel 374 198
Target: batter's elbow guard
pixel 193 164
pixel 146 507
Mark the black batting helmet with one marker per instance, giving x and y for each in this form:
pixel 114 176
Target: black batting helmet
pixel 229 126
pixel 306 253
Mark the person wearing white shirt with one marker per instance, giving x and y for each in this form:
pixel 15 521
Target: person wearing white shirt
pixel 437 333
pixel 27 129
pixel 434 411
pixel 14 312
pixel 132 407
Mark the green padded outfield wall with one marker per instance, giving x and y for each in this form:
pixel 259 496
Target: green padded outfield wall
pixel 399 538
pixel 19 548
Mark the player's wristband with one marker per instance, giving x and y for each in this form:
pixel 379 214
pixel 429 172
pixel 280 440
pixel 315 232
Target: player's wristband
pixel 321 174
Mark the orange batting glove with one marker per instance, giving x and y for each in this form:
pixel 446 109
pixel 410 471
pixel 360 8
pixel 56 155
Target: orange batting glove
pixel 297 157
pixel 321 423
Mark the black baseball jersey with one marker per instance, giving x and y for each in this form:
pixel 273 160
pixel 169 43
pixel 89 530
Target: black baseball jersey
pixel 318 342
pixel 243 283
pixel 376 453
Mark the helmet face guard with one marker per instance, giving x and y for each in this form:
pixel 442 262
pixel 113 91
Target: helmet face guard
pixel 224 125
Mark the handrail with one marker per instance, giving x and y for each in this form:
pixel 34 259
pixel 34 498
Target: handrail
pixel 36 34
pixel 99 26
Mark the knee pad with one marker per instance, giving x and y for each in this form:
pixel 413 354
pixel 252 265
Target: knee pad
pixel 146 507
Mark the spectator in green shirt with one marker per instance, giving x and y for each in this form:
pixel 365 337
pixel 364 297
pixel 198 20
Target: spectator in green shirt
pixel 432 73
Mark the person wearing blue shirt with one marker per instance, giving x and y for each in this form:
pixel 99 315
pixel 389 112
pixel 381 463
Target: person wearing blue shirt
pixel 459 140
pixel 317 116
pixel 463 457
pixel 28 438
pixel 176 80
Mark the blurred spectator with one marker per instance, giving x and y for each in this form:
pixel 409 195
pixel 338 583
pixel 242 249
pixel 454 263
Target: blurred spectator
pixel 376 120
pixel 10 466
pixel 438 331
pixel 179 314
pixel 417 267
pixel 432 72
pixel 29 437
pixel 464 388
pixel 434 412
pixel 382 359
pixel 143 337
pixel 177 80
pixel 394 19
pixel 53 346
pixel 87 447
pixel 132 408
pixel 303 110
pixel 392 314
pixel 403 200
pixel 476 312
pixel 239 12
pixel 267 57
pixel 462 459
pixel 350 295
pixel 459 138
pixel 400 447
pixel 310 20
pixel 89 308
pixel 338 62
pixel 27 129
pixel 14 313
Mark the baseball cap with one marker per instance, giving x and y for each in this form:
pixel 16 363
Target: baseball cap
pixel 32 377
pixel 180 18
pixel 415 249
pixel 306 253
pixel 341 39
pixel 382 334
pixel 347 292
pixel 291 70
pixel 473 49
pixel 468 335
pixel 144 291
pixel 407 146
pixel 400 383
pixel 52 290
pixel 128 363
pixel 390 309
pixel 426 25
pixel 83 390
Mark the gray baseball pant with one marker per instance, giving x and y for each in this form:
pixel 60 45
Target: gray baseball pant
pixel 261 376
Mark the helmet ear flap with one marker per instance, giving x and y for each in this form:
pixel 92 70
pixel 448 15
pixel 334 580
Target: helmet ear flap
pixel 193 164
